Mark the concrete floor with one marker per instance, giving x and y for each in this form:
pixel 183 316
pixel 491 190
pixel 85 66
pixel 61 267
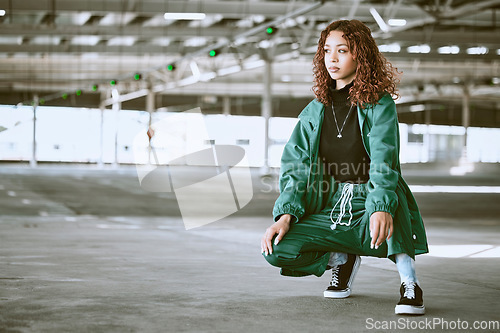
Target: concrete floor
pixel 87 250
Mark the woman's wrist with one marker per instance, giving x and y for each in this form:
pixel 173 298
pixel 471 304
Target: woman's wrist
pixel 287 218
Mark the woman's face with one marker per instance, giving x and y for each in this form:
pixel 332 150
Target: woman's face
pixel 339 60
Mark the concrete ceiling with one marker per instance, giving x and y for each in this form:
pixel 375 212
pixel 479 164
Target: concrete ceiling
pixel 54 48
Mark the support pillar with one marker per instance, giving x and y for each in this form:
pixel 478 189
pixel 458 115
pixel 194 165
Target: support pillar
pixel 267 111
pixel 226 105
pixel 465 120
pixel 427 136
pixel 102 107
pixel 33 160
pixel 117 105
pixel 464 166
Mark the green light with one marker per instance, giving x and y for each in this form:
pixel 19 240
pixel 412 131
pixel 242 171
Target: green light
pixel 212 53
pixel 42 101
pixel 64 96
pixel 170 67
pixel 95 87
pixel 137 77
pixel 112 82
pixel 270 30
pixel 78 92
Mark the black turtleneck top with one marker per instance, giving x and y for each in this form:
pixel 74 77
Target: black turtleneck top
pixel 343 158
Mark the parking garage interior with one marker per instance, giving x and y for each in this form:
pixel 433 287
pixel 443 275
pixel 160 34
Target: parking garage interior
pixel 97 97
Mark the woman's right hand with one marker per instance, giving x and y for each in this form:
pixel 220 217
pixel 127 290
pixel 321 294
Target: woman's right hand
pixel 280 227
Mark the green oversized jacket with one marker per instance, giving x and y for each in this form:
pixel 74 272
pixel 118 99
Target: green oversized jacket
pixel 305 189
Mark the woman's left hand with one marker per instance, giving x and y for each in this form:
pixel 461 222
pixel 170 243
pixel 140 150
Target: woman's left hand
pixel 381 228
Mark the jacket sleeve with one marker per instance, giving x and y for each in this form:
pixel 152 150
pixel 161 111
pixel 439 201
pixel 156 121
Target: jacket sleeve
pixel 294 174
pixel 384 155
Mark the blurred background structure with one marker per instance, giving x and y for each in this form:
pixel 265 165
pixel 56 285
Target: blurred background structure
pixel 84 89
pixel 96 73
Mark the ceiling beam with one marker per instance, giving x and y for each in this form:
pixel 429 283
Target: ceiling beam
pixel 149 49
pixel 229 9
pixel 105 32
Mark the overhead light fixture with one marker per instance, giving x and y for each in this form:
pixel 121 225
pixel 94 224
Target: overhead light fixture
pixel 122 41
pixel 229 70
pixel 195 41
pixel 6 40
pixel 90 55
pixel 423 48
pixel 85 40
pixel 250 21
pixel 287 56
pixel 289 23
pixel 43 40
pixel 321 26
pixel 449 50
pixel 187 81
pixel 184 16
pixel 495 80
pixel 477 50
pixel 161 41
pixel 380 21
pixel 207 76
pixel 397 22
pixel 208 21
pixel 392 48
pixel 195 69
pixel 254 64
pixel 2 12
pixel 264 44
pixel 239 41
pixel 81 18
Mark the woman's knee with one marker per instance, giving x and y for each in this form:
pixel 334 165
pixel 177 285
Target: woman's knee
pixel 282 255
pixel 273 259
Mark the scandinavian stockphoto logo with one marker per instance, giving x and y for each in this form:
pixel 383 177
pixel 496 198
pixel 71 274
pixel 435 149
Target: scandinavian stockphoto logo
pixel 210 181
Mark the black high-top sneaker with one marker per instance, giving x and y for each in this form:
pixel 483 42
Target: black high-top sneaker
pixel 411 301
pixel 342 278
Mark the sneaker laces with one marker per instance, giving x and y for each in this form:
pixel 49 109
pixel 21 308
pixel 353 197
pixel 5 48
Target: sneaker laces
pixel 335 276
pixel 409 290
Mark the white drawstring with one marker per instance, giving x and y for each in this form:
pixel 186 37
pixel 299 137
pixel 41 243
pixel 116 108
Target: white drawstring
pixel 345 197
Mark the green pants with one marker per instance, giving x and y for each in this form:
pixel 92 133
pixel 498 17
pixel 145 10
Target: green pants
pixel 342 226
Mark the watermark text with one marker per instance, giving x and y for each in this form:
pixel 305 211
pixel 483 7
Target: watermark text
pixel 431 324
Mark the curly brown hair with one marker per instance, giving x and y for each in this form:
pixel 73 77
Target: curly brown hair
pixel 374 74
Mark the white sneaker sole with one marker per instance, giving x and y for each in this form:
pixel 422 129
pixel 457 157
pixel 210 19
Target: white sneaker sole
pixel 410 309
pixel 347 292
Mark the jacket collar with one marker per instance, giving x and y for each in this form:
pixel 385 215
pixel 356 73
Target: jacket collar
pixel 313 113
